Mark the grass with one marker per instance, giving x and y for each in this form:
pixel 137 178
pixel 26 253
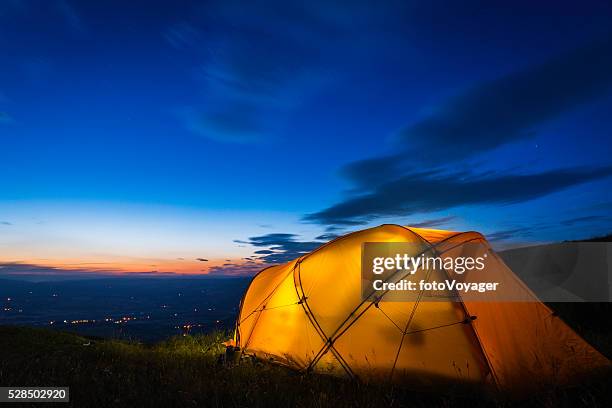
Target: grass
pixel 184 371
pixel 590 320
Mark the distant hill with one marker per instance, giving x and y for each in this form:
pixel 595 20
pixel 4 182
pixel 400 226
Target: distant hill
pixel 570 271
pixel 605 238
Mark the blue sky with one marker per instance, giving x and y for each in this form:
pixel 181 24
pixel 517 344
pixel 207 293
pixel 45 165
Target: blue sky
pixel 147 134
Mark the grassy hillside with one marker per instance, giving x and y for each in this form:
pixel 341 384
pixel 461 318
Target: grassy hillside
pixel 184 372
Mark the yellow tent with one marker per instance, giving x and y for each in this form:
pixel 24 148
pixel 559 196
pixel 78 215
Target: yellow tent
pixel 309 314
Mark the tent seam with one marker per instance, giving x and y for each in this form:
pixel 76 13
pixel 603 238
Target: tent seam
pixel 314 322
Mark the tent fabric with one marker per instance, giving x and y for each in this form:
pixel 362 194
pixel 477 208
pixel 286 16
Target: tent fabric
pixel 309 314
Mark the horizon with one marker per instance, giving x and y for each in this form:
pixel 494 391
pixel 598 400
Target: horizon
pixel 211 139
pixel 18 271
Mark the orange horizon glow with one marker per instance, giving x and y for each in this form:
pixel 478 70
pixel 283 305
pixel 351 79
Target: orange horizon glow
pixel 127 266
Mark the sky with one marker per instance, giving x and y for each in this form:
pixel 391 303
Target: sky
pixel 219 137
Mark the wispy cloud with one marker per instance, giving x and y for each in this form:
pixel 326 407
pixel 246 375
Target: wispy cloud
pixel 269 249
pixel 519 232
pixel 484 117
pixel 587 219
pixel 424 193
pixel 494 113
pixel 436 222
pixel 183 35
pixel 236 269
pixel 242 123
pixel 279 247
pixel 328 236
pixel 70 15
pixel 249 85
pixel 510 234
pixel 261 62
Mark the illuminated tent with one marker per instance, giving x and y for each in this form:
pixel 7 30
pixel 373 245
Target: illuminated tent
pixel 309 314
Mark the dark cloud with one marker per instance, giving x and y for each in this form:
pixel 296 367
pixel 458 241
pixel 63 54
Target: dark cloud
pixel 485 117
pixel 436 222
pixel 327 236
pixel 586 219
pixel 247 269
pixel 517 232
pixel 269 239
pixel 503 110
pixel 202 259
pixel 280 247
pixel 151 273
pixel 495 113
pixel 5 223
pixel 510 234
pixel 409 194
pixel 27 269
